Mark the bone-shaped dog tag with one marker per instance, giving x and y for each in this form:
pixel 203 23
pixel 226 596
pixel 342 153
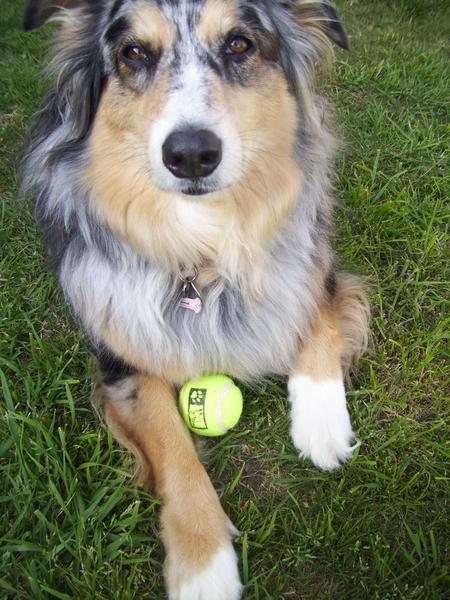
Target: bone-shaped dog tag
pixel 191 299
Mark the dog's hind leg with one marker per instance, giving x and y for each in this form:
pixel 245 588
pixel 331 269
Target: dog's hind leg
pixel 200 561
pixel 320 422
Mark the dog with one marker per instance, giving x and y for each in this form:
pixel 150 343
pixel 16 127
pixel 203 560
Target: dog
pixel 181 166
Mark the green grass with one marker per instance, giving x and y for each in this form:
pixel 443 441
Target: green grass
pixel 70 525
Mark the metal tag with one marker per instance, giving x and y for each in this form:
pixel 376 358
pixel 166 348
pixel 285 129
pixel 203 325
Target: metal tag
pixel 191 298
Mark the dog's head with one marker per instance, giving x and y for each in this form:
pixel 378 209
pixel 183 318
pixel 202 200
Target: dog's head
pixel 172 101
pixel 201 90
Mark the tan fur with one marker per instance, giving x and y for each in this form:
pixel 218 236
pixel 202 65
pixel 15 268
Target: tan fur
pixel 217 19
pixel 320 355
pixel 353 314
pixel 340 334
pixel 264 116
pixel 142 414
pixel 150 26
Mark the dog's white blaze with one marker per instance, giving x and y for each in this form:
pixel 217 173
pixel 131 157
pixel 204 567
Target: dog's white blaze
pixel 187 107
pixel 191 99
pixel 219 581
pixel 320 426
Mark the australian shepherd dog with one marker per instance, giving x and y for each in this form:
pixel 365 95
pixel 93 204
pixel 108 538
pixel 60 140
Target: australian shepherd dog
pixel 182 141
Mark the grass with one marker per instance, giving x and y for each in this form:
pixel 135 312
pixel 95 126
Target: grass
pixel 70 527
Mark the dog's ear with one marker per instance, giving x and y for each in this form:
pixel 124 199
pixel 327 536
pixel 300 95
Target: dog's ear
pixel 333 26
pixel 319 15
pixel 77 67
pixel 37 12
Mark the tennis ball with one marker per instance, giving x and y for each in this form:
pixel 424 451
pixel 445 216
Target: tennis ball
pixel 210 405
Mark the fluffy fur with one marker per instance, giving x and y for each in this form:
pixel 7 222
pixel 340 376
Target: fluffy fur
pixel 121 228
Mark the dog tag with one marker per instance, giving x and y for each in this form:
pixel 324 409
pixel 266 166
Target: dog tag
pixel 190 299
pixel 194 304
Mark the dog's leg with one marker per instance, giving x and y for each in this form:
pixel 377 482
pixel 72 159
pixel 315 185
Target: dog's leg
pixel 200 561
pixel 320 426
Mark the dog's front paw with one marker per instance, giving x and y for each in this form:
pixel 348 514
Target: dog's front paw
pixel 320 427
pixel 217 580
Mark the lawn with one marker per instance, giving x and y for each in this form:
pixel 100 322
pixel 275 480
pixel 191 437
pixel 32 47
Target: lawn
pixel 71 527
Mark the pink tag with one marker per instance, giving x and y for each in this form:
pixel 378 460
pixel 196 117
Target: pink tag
pixel 194 304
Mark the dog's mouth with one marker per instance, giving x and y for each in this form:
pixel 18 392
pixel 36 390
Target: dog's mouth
pixel 198 188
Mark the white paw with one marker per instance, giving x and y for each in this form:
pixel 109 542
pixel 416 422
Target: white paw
pixel 218 581
pixel 320 426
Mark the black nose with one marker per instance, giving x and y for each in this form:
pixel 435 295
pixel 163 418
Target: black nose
pixel 190 154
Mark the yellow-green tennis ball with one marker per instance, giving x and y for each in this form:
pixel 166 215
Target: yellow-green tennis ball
pixel 210 405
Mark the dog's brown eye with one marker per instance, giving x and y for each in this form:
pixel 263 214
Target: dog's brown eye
pixel 238 45
pixel 134 54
